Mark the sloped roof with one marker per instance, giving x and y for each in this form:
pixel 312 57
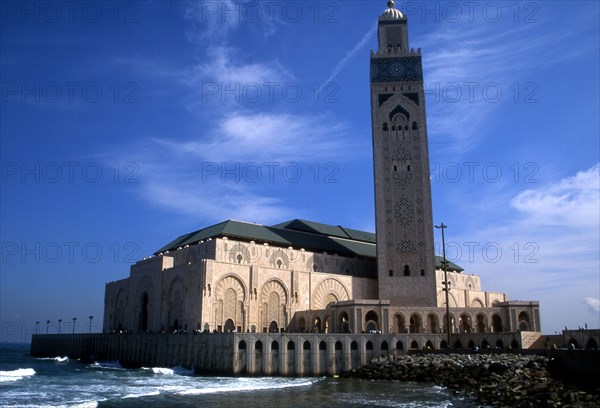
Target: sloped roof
pixel 310 235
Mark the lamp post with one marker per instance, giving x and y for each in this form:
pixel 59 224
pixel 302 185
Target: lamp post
pixel 90 317
pixel 37 326
pixel 74 320
pixel 47 325
pixel 59 323
pixel 446 284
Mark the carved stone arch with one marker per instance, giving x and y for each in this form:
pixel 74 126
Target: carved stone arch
pixel 470 284
pixel 239 254
pixel 233 282
pixel 477 302
pixel 175 304
pixel 442 299
pixel 230 294
pixel 279 260
pixel 119 307
pixel 327 291
pixel 274 285
pixel 142 304
pixel 274 301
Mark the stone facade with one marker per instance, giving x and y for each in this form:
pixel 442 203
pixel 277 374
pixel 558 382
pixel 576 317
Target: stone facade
pixel 226 285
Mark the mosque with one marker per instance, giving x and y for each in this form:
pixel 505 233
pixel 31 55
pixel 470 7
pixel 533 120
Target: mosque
pixel 308 277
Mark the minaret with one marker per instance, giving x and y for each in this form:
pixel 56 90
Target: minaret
pixel 405 257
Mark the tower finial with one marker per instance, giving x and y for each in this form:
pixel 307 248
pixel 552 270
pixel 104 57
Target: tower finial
pixel 391 4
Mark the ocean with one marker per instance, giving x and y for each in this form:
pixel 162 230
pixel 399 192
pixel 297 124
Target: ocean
pixel 26 381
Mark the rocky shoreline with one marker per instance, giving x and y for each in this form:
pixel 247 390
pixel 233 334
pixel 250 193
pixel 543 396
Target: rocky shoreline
pixel 506 380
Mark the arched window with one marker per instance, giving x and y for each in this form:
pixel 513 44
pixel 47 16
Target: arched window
pixel 385 126
pixel 524 324
pixel 406 270
pixel 415 126
pixel 496 323
pixel 372 321
pixel 415 323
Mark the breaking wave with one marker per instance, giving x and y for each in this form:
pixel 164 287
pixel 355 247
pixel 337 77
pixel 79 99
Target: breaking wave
pixel 16 375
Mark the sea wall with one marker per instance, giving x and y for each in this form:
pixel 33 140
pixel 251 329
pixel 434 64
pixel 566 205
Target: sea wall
pixel 209 353
pixel 285 354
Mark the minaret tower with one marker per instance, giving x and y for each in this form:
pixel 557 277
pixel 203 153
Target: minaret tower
pixel 405 257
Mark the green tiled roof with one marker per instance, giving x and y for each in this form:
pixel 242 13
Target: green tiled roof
pixel 312 236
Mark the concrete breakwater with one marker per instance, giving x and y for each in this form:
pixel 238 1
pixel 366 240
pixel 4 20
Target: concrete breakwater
pixel 491 379
pixel 293 354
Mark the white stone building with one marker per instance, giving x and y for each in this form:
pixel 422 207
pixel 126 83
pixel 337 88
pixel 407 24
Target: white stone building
pixel 311 277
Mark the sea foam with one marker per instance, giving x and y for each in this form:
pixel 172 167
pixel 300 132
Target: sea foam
pixel 248 386
pixel 16 375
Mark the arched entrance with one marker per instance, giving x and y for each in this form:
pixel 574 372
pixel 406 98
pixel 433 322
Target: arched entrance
pixel 432 323
pixel 524 323
pixel 481 323
pixel 316 325
pixel 144 313
pixel 415 323
pixel 371 321
pixel 496 323
pixel 229 326
pixel 465 323
pixel 400 323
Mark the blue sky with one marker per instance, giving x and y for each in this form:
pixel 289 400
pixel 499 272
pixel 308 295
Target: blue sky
pixel 126 124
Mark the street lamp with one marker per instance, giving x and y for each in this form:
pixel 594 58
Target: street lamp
pixel 47 325
pixel 74 320
pixel 59 323
pixel 91 317
pixel 37 326
pixel 446 284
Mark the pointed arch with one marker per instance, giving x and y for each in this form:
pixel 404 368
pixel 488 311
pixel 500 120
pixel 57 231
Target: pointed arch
pixel 327 291
pixel 229 298
pixel 274 300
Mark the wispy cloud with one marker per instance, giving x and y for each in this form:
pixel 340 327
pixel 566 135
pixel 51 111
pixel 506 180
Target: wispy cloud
pixel 265 137
pixel 222 66
pixel 592 303
pixel 573 202
pixel 350 55
pixel 468 64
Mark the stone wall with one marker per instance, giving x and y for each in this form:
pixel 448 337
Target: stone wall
pixel 280 354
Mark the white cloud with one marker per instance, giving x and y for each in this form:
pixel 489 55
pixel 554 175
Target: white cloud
pixel 545 249
pixel 592 303
pixel 266 137
pixel 572 202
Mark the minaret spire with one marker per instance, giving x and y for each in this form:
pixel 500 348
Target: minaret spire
pixel 404 225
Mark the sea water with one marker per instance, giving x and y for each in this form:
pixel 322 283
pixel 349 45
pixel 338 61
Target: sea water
pixel 26 381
